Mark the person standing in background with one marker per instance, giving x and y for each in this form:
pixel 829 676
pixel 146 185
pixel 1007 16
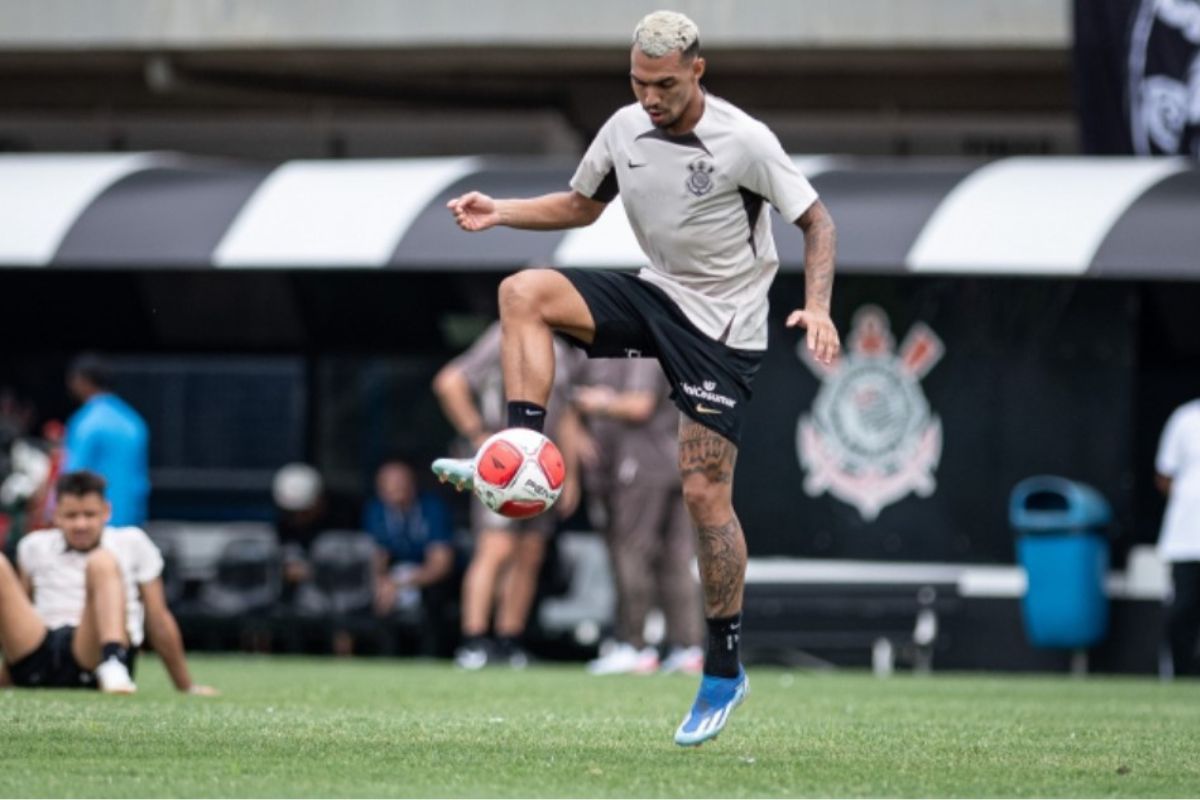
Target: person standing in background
pixel 108 437
pixel 634 479
pixel 1177 468
pixel 508 553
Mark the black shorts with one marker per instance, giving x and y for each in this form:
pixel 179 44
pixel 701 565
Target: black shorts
pixel 710 381
pixel 53 666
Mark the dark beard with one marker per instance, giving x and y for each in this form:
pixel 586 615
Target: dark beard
pixel 665 122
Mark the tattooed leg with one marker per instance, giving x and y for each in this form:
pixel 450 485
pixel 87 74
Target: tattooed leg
pixel 706 461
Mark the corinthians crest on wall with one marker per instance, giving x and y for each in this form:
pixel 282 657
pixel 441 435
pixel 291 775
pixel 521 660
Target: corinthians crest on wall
pixel 871 438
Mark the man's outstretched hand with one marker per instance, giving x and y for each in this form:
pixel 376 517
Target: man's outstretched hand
pixel 822 337
pixel 474 211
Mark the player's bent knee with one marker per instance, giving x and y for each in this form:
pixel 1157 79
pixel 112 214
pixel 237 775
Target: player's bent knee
pixel 102 562
pixel 521 293
pixel 545 296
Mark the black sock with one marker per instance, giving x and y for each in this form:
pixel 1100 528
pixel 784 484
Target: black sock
pixel 507 644
pixel 113 650
pixel 724 636
pixel 522 414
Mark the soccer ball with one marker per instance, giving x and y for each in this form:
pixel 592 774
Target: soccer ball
pixel 518 473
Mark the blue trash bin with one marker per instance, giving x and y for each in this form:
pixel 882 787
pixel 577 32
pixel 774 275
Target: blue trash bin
pixel 1062 544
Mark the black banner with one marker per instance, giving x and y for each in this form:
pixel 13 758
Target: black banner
pixel 1137 76
pixel 948 394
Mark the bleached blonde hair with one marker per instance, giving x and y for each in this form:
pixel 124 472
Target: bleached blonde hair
pixel 662 32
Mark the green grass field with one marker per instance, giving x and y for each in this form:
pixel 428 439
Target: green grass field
pixel 308 727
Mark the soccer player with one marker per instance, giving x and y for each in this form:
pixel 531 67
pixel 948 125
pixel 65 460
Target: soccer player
pixel 693 172
pixel 85 597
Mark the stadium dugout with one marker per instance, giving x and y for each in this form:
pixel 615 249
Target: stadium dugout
pixel 1061 292
pixel 1071 216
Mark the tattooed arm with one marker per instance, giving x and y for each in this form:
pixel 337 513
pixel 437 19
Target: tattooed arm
pixel 820 242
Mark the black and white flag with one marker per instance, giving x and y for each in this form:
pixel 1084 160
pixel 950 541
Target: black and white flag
pixel 1137 65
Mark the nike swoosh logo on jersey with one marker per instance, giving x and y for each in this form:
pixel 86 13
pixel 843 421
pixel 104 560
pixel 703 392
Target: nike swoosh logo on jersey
pixel 633 165
pixel 703 409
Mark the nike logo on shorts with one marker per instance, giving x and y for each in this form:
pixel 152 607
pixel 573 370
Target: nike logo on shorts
pixel 703 409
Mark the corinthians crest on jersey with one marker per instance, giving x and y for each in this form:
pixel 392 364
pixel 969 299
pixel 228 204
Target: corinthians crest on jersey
pixel 699 180
pixel 871 438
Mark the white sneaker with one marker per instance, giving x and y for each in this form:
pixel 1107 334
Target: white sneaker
pixel 113 677
pixel 458 471
pixel 685 660
pixel 472 657
pixel 625 659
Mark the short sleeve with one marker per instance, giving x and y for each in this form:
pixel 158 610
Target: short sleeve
pixel 481 359
pixel 1169 459
pixel 770 173
pixel 596 177
pixel 147 560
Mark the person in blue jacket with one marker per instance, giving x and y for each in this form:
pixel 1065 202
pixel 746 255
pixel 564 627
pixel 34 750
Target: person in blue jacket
pixel 414 551
pixel 108 437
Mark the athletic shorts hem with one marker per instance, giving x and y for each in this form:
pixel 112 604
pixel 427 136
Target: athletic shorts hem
pixel 52 664
pixel 711 382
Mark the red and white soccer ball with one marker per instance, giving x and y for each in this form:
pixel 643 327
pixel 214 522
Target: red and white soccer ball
pixel 519 473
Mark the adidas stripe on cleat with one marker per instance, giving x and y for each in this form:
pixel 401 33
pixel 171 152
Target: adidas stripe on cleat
pixel 715 701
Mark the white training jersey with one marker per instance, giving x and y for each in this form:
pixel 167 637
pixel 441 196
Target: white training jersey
pixel 695 203
pixel 1179 459
pixel 57 574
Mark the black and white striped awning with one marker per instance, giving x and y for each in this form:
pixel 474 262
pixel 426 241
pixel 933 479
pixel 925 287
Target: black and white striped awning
pixel 1113 217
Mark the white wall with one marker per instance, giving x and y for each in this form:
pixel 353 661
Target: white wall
pixel 169 24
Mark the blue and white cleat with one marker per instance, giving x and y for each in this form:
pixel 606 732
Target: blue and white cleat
pixel 715 701
pixel 458 471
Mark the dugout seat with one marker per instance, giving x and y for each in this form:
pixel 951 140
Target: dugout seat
pixel 248 579
pixel 343 575
pixel 334 607
pixel 873 624
pixel 197 546
pixel 587 607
